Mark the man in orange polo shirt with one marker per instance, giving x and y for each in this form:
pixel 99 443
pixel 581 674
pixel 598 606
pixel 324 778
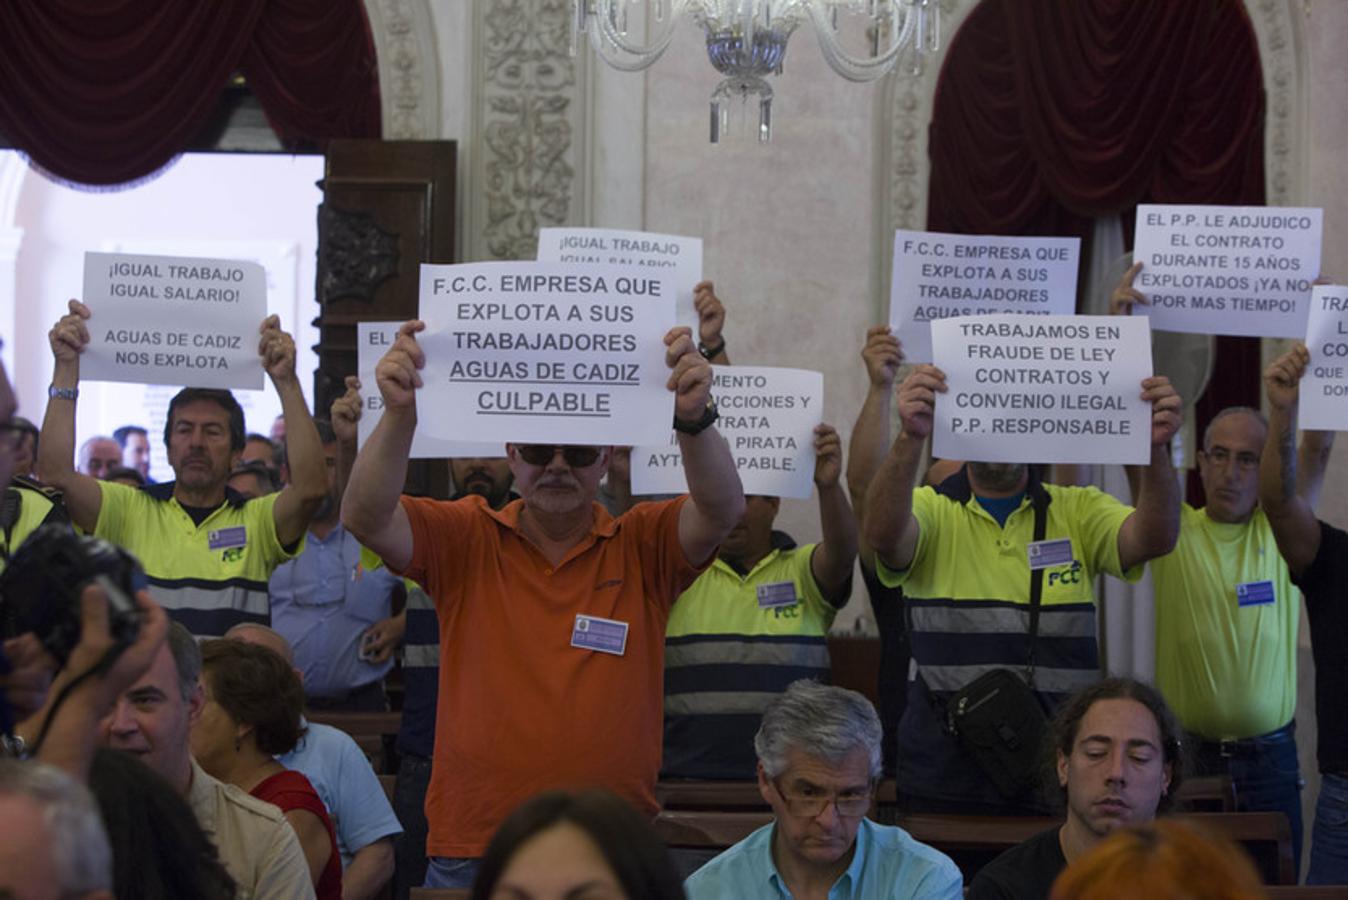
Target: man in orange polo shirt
pixel 552 613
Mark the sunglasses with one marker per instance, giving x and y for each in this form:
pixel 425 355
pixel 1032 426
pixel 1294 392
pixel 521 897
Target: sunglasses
pixel 542 454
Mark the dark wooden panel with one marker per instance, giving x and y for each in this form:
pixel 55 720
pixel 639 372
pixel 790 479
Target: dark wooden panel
pixel 388 207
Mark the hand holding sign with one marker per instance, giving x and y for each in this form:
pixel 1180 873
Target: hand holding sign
pixel 1167 409
pixel 883 355
pixel 690 378
pixel 1125 296
pixel 827 456
pixel 1282 378
pixel 917 399
pixel 277 349
pixel 398 373
pixel 69 336
pixel 345 412
pixel 710 314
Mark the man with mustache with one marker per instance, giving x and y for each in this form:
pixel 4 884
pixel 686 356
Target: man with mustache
pixel 1117 749
pixel 207 551
pixel 552 613
pixel 966 556
pixel 327 601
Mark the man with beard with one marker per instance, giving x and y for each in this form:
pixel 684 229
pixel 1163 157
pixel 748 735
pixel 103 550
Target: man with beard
pixel 965 557
pixel 327 601
pixel 207 552
pixel 552 613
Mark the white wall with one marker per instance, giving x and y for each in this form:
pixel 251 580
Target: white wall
pixel 260 207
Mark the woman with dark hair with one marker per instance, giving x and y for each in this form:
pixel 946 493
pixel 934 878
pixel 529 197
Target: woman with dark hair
pixel 559 844
pixel 251 715
pixel 159 851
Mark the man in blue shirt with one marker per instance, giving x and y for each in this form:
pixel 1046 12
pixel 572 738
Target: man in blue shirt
pixel 361 814
pixel 818 764
pixel 326 601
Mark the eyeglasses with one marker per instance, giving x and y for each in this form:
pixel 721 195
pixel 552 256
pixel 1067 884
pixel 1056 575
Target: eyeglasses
pixel 813 801
pixel 1221 456
pixel 542 454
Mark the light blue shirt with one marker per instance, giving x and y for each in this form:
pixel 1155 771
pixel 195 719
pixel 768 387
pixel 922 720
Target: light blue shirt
pixel 888 863
pixel 323 601
pixel 348 787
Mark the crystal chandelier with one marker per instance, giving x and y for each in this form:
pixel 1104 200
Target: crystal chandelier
pixel 746 40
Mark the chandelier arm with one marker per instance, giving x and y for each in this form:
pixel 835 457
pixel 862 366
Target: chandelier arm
pixel 862 69
pixel 630 57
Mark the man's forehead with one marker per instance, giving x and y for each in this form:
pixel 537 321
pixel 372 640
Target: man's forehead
pixel 804 766
pixel 1119 719
pixel 162 675
pixel 200 411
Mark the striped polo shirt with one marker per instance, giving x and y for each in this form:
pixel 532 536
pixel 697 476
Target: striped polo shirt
pixel 210 577
pixel 967 592
pixel 729 652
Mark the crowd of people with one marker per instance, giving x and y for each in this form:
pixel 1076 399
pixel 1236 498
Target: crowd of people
pixel 564 645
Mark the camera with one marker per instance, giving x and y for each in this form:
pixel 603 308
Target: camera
pixel 40 588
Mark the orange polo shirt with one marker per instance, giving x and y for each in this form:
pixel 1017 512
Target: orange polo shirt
pixel 520 709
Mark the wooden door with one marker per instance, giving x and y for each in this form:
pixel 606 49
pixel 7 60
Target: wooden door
pixel 388 206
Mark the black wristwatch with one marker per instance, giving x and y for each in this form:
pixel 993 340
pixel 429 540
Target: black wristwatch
pixel 708 418
pixel 709 352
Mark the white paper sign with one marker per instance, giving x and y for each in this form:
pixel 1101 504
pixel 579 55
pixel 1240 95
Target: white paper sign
pixel 1239 270
pixel 937 276
pixel 678 258
pixel 545 353
pixel 1056 389
pixel 173 320
pixel 768 417
pixel 1324 387
pixel 374 340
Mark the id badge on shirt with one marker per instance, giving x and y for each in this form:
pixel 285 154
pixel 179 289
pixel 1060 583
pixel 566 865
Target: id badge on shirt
pixel 1050 554
pixel 1255 593
pixel 600 635
pixel 776 594
pixel 227 538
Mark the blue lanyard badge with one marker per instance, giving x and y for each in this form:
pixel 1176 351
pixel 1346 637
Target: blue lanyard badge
pixel 1255 593
pixel 1049 554
pixel 776 594
pixel 601 635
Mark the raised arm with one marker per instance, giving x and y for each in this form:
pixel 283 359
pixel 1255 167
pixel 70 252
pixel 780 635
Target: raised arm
pixel 831 562
pixel 710 323
pixel 882 355
pixel 370 507
pixel 715 495
pixel 1121 302
pixel 1290 514
pixel 1153 527
pixel 299 499
pixel 1312 460
pixel 888 526
pixel 56 445
pixel 344 414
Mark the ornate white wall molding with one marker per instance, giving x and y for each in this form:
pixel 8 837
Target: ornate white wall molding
pixel 529 166
pixel 1282 57
pixel 409 69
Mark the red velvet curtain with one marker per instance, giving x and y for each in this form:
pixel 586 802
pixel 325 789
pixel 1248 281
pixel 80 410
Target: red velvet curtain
pixel 1052 113
pixel 108 91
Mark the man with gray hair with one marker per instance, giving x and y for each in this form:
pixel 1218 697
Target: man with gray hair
pixel 52 842
pixel 153 721
pixel 818 764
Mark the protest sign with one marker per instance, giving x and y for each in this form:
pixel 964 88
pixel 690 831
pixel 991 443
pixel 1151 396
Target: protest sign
pixel 1238 270
pixel 937 276
pixel 1052 389
pixel 678 258
pixel 1324 387
pixel 545 353
pixel 374 339
pixel 768 418
pixel 173 320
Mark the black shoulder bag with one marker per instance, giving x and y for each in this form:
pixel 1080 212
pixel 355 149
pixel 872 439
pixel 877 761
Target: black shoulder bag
pixel 997 717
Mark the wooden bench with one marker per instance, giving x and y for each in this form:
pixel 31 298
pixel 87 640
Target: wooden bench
pixel 735 795
pixel 440 893
pixel 972 841
pixel 1306 892
pixel 1206 793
